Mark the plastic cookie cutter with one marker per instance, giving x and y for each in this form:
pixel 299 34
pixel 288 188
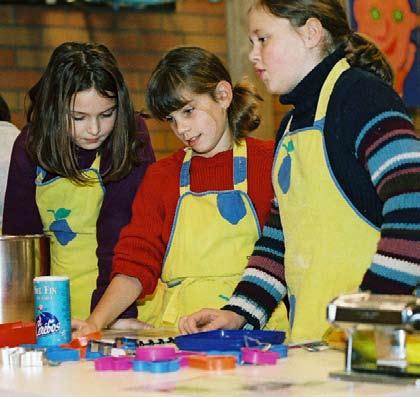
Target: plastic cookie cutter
pixel 32 358
pixel 31 347
pixel 60 354
pixel 92 355
pixel 258 357
pixel 126 342
pixel 16 357
pixel 81 344
pixel 119 352
pixel 157 366
pixel 103 346
pixel 156 360
pixel 234 353
pixel 17 333
pixel 184 355
pixel 113 363
pixel 10 356
pixel 34 346
pixel 281 350
pixel 254 342
pixel 155 354
pixel 82 341
pixel 212 363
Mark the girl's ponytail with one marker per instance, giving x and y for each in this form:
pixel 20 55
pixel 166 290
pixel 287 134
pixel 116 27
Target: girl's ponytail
pixel 363 53
pixel 243 113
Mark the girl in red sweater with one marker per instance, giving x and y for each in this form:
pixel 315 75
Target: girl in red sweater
pixel 197 213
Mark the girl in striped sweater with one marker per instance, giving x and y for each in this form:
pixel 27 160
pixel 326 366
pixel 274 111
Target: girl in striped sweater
pixel 346 174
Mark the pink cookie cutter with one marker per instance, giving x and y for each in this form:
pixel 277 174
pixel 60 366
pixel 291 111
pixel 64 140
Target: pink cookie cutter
pixel 256 356
pixel 113 363
pixel 155 354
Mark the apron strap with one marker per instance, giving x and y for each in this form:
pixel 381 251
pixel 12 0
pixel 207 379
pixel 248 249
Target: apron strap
pixel 321 110
pixel 289 123
pixel 184 177
pixel 96 163
pixel 41 173
pixel 240 164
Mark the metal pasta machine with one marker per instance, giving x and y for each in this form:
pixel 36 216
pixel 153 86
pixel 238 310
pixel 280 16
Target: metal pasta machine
pixel 383 337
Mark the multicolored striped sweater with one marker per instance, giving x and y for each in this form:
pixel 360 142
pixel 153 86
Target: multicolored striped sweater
pixel 375 157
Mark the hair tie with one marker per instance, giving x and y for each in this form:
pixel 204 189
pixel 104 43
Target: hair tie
pixel 349 36
pixel 351 33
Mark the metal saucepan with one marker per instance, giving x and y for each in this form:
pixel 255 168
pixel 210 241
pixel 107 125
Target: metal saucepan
pixel 21 259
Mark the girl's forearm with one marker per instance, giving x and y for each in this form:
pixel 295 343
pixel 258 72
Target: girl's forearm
pixel 121 293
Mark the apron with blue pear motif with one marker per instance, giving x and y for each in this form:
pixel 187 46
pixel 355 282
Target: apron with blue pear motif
pixel 212 235
pixel 329 244
pixel 69 213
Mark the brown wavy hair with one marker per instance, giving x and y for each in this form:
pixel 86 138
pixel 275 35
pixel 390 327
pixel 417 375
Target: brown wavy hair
pixel 360 52
pixel 75 67
pixel 199 71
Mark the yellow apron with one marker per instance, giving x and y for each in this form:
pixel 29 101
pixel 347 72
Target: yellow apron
pixel 212 235
pixel 329 244
pixel 69 213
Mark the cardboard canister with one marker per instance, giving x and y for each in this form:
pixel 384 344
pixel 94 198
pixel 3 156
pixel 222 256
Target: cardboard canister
pixel 52 310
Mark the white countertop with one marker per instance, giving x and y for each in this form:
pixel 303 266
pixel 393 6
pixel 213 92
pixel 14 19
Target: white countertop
pixel 303 373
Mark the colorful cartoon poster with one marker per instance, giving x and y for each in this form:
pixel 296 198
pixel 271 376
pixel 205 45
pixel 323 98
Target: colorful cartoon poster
pixel 394 27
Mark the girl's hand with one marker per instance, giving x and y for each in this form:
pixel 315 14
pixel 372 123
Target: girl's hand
pixel 209 320
pixel 130 324
pixel 82 328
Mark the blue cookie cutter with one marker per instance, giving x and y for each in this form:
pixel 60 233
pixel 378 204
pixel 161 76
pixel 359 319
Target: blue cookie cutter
pixel 281 350
pixel 61 354
pixel 157 366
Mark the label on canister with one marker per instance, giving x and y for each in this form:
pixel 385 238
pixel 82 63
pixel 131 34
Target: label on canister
pixel 52 310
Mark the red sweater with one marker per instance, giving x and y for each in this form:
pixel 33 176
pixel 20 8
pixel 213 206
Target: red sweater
pixel 142 244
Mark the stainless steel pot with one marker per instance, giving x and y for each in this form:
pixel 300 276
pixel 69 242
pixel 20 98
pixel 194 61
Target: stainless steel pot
pixel 21 259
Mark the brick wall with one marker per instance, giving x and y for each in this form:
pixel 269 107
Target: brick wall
pixel 28 34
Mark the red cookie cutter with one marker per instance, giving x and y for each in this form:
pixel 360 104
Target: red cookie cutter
pixel 18 333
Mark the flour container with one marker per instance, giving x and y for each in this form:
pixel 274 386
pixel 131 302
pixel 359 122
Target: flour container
pixel 52 310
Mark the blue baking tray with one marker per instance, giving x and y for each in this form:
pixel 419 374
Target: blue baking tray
pixel 224 340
